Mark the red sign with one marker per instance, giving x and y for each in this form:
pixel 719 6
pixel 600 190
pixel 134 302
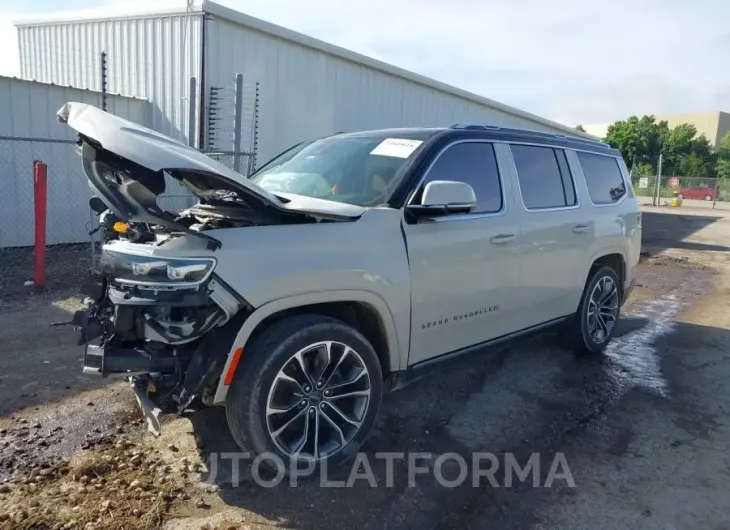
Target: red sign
pixel 673 182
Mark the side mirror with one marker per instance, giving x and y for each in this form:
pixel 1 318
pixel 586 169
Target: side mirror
pixel 444 197
pixel 97 205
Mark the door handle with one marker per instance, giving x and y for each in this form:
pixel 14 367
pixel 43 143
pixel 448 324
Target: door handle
pixel 581 229
pixel 501 239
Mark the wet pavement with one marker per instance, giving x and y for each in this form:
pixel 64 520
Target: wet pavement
pixel 643 431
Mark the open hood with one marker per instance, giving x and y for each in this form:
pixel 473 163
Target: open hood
pixel 126 165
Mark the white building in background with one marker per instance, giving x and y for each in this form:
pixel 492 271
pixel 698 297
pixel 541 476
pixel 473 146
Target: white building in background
pixel 307 87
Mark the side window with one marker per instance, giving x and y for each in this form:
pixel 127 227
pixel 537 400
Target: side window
pixel 545 180
pixel 603 177
pixel 474 163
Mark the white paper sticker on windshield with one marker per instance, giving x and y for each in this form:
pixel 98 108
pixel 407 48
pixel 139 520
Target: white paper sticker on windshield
pixel 397 147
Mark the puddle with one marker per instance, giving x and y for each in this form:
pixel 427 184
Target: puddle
pixel 636 360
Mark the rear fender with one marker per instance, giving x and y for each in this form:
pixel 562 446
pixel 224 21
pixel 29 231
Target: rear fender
pixel 394 350
pixel 606 251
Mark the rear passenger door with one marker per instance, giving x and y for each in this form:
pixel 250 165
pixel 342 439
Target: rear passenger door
pixel 464 267
pixel 556 233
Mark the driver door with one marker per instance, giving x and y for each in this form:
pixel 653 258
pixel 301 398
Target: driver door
pixel 464 267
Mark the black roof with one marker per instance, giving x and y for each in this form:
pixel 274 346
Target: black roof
pixel 497 133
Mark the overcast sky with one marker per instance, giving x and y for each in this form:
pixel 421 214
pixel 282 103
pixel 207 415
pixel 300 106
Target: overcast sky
pixel 574 61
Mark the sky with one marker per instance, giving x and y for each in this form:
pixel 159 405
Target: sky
pixel 573 61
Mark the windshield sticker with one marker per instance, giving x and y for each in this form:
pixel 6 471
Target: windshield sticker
pixel 396 147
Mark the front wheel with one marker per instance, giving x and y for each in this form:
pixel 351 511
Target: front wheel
pixel 598 313
pixel 680 196
pixel 309 390
pixel 708 197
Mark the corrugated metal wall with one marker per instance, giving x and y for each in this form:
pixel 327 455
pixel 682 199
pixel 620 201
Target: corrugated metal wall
pixel 306 92
pixel 28 110
pixel 151 58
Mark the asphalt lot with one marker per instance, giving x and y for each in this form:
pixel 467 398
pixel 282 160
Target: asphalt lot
pixel 644 430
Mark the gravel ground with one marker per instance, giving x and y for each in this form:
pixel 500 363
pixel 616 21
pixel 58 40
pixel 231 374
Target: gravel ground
pixel 643 431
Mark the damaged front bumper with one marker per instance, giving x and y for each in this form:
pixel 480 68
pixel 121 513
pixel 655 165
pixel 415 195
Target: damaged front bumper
pixel 170 341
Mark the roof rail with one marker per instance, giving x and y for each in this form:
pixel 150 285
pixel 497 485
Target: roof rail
pixel 475 127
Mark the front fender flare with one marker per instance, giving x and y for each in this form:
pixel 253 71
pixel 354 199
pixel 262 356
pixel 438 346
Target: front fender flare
pixel 394 350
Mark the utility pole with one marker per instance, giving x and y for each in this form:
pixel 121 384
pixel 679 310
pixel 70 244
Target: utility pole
pixel 658 180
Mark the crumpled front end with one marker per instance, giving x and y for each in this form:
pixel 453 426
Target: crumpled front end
pixel 165 323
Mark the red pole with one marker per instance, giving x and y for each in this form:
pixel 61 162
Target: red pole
pixel 40 194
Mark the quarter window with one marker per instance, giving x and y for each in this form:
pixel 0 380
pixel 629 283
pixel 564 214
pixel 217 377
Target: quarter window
pixel 603 178
pixel 475 164
pixel 544 177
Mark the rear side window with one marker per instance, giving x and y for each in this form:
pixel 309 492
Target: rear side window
pixel 603 177
pixel 545 180
pixel 475 164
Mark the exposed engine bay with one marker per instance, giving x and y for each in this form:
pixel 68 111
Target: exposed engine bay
pixel 198 218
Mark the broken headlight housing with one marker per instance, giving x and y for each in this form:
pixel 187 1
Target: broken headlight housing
pixel 153 271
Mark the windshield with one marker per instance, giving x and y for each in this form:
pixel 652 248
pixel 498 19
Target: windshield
pixel 360 170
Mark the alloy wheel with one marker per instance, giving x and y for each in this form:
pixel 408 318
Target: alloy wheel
pixel 603 307
pixel 318 401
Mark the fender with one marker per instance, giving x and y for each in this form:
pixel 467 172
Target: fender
pixel 605 251
pixel 270 308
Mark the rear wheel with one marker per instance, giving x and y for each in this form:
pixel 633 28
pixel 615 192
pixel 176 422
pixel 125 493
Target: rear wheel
pixel 598 313
pixel 309 390
pixel 680 196
pixel 708 197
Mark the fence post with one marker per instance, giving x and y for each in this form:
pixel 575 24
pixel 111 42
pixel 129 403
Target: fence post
pixel 237 123
pixel 40 195
pixel 658 181
pixel 104 88
pixel 192 101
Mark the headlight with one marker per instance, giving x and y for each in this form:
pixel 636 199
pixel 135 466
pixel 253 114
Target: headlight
pixel 147 270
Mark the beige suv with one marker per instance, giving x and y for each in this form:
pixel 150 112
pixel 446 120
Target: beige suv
pixel 344 267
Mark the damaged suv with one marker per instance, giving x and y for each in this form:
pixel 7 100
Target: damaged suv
pixel 344 267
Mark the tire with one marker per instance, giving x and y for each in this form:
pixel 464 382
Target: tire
pixel 708 197
pixel 258 380
pixel 680 196
pixel 580 335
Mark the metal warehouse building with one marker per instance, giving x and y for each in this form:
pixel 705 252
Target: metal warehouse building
pixel 184 60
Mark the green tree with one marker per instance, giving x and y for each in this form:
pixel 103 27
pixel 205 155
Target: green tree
pixel 641 140
pixel 643 169
pixel 687 154
pixel 723 156
pixel 723 149
pixel 679 141
pixel 638 139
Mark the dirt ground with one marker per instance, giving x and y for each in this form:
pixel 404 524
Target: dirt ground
pixel 644 430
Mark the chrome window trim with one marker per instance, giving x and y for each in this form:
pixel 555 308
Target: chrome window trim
pixel 519 187
pixel 464 216
pixel 623 180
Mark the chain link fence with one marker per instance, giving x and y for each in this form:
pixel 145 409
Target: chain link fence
pixel 70 250
pixel 694 192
